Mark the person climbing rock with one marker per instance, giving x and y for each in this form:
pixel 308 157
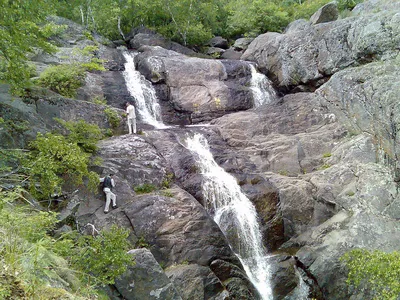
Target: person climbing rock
pixel 131 117
pixel 108 185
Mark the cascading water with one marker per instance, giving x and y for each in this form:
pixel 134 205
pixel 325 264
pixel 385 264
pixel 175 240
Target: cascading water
pixel 234 213
pixel 143 92
pixel 262 89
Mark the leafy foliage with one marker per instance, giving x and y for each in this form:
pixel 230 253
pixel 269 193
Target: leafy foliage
pixel 63 79
pixel 21 31
pixel 85 135
pixel 52 160
pixel 105 256
pixel 376 270
pixel 112 116
pixel 74 263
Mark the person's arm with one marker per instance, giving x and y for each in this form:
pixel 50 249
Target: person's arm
pixel 112 182
pixel 102 179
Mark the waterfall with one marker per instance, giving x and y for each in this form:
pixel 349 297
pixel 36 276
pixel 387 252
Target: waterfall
pixel 234 213
pixel 261 86
pixel 142 91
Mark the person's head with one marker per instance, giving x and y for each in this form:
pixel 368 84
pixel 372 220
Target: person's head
pixel 127 103
pixel 111 175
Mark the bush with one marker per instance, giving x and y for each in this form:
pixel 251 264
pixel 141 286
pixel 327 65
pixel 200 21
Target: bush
pixel 105 255
pixel 67 268
pixel 52 160
pixel 377 270
pixel 63 79
pixel 112 117
pixel 85 135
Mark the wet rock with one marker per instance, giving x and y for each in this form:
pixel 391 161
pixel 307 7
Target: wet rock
pixel 200 88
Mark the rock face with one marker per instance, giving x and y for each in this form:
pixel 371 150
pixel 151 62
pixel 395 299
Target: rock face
pixel 304 57
pixel 201 89
pixel 146 279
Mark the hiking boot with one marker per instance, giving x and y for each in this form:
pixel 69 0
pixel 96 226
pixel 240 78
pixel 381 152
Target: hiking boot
pixel 114 206
pixel 105 212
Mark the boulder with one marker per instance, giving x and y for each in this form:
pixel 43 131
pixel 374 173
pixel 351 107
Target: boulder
pixel 219 42
pixel 145 280
pixel 200 88
pixel 327 13
pixel 242 43
pixel 195 282
pixel 154 39
pixel 231 54
pixel 215 52
pixel 307 55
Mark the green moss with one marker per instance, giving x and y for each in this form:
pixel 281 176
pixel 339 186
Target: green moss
pixel 326 155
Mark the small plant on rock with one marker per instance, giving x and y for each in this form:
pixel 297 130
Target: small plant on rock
pixel 145 188
pixel 112 117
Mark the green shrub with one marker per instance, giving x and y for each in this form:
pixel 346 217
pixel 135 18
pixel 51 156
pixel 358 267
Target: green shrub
pixel 377 271
pixel 347 4
pixel 45 264
pixel 85 135
pixel 112 117
pixel 63 79
pixel 99 100
pixel 52 160
pixel 167 181
pixel 326 155
pixel 105 255
pixel 145 188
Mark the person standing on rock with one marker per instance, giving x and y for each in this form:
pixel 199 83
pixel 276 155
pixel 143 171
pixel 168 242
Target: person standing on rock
pixel 108 185
pixel 131 117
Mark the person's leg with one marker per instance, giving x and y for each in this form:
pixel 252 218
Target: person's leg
pixel 114 200
pixel 134 125
pixel 108 199
pixel 130 126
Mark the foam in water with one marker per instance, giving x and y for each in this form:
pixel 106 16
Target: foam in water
pixel 142 91
pixel 262 89
pixel 235 215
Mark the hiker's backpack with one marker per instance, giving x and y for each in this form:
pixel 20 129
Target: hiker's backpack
pixel 107 182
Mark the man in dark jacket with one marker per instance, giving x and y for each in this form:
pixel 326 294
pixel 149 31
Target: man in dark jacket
pixel 108 185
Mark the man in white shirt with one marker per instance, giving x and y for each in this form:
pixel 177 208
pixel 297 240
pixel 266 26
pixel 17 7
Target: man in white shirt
pixel 131 117
pixel 108 184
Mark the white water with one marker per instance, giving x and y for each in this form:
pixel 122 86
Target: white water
pixel 235 215
pixel 142 91
pixel 261 86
